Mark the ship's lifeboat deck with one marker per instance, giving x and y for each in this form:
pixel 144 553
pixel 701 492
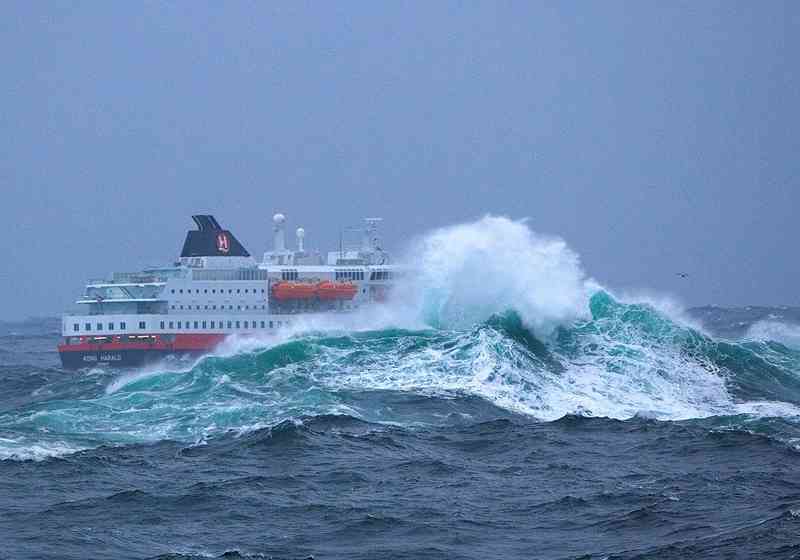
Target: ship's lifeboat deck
pixel 324 291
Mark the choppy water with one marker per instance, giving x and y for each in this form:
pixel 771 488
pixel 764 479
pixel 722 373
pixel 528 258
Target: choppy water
pixel 495 424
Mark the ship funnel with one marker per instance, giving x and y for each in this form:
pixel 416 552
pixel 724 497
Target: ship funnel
pixel 210 240
pixel 301 233
pixel 280 241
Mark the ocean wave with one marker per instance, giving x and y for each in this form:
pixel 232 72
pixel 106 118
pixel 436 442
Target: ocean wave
pixel 626 361
pixel 499 321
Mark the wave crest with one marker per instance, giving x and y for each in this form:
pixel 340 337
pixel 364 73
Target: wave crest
pixel 468 272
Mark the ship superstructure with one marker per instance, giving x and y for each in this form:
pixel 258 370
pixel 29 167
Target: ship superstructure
pixel 217 289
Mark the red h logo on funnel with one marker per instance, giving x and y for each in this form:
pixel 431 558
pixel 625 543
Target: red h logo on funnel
pixel 223 245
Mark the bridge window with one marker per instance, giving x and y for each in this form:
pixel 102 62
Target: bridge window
pixel 213 324
pixel 196 325
pixel 238 325
pixel 270 324
pixel 162 324
pixel 142 325
pixel 230 324
pixel 76 327
pixel 111 326
pixel 180 325
pixel 122 326
pixel 172 325
pixel 180 291
pixel 245 324
pixel 204 324
pixel 99 326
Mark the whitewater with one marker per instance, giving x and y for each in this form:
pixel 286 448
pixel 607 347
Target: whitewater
pixel 496 343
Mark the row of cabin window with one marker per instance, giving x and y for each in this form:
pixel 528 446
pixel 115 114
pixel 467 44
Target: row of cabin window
pixel 143 325
pixel 221 324
pixel 349 275
pixel 344 275
pixel 87 327
pixel 214 290
pixel 214 307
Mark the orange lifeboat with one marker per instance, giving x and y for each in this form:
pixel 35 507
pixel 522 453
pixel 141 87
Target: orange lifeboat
pixel 329 291
pixel 286 291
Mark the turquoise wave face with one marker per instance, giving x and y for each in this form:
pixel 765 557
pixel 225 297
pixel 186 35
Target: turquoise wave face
pixel 622 361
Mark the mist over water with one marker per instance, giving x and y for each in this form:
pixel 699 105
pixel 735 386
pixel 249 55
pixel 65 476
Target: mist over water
pixel 492 322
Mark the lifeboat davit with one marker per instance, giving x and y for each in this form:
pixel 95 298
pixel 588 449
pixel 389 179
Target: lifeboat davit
pixel 328 291
pixel 286 291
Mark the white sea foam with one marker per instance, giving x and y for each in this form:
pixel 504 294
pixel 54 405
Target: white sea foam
pixel 620 380
pixel 24 450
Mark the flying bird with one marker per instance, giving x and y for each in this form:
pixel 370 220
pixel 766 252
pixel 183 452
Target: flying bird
pixel 682 274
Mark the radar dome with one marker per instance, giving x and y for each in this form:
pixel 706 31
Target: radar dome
pixel 278 219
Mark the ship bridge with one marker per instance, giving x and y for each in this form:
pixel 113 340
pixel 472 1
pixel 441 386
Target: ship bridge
pixel 129 292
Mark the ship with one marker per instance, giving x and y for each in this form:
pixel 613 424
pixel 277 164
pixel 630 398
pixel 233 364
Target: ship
pixel 216 289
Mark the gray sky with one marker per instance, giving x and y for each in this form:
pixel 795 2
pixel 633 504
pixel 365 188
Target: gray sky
pixel 654 137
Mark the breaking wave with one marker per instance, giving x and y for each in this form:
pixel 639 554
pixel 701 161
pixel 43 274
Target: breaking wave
pixel 468 272
pixel 498 321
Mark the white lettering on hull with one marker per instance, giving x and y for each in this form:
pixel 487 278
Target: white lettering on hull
pixel 104 357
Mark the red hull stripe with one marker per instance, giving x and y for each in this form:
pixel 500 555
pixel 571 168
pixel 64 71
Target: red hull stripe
pixel 182 342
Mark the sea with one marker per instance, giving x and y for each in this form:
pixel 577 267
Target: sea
pixel 504 405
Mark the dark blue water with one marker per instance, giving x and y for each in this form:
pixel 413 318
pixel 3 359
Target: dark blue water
pixel 626 435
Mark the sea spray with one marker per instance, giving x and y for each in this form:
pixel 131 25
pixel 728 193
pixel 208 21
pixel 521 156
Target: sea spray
pixel 464 274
